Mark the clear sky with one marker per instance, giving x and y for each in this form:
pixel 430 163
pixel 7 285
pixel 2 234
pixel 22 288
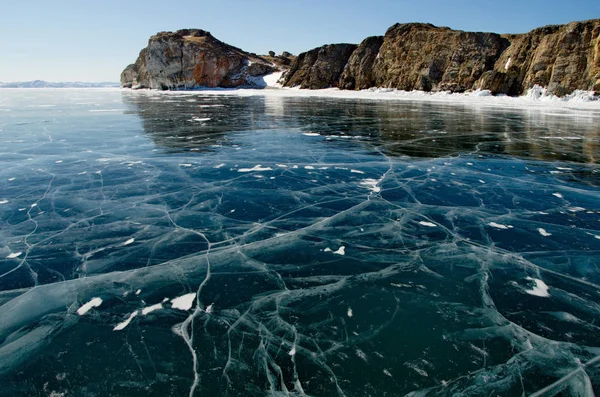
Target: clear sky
pixel 93 40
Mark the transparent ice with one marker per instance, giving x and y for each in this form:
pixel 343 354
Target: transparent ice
pixel 218 245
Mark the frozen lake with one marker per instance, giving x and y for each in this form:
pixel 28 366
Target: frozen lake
pixel 174 244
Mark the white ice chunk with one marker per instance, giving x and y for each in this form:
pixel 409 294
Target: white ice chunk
pixel 293 351
pixel 125 323
pixel 200 119
pixel 139 291
pixel 576 209
pixel 557 195
pixel 130 241
pixel 14 255
pixel 309 167
pixel 184 302
pixel 540 289
pixel 3 201
pixel 356 172
pixel 95 302
pixel 428 224
pixel 544 233
pixel 185 165
pixel 350 314
pixel 209 308
pixel 508 63
pixel 311 134
pixel 327 249
pixel 220 166
pixel 255 168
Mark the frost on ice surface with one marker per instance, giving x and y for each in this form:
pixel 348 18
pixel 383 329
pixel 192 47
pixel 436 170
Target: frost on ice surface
pixel 121 326
pixel 540 288
pixel 184 302
pixel 95 302
pixel 14 255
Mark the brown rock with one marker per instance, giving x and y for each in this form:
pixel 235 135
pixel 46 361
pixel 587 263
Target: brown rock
pixel 424 57
pixel 320 67
pixel 358 73
pixel 193 57
pixel 561 58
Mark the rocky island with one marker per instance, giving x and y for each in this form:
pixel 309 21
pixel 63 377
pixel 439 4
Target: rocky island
pixel 412 56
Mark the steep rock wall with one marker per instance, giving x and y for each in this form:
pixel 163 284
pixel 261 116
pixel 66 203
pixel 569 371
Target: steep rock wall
pixel 320 67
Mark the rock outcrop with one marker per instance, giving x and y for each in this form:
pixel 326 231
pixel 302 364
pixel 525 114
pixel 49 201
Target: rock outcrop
pixel 320 67
pixel 561 58
pixel 417 56
pixel 192 57
pixel 358 73
pixel 413 56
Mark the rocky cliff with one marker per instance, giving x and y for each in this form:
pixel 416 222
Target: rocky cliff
pixel 413 56
pixel 193 57
pixel 320 67
pixel 424 57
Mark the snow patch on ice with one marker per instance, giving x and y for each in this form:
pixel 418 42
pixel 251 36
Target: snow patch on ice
pixel 150 309
pixel 544 233
pixel 371 184
pixel 3 201
pixel 95 302
pixel 340 251
pixel 184 302
pixel 540 289
pixel 121 326
pixel 428 224
pixel 500 226
pixel 14 255
pixel 255 168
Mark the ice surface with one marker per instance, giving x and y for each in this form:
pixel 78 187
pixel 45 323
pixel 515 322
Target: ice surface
pixel 461 260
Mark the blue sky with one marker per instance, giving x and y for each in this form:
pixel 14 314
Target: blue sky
pixel 87 40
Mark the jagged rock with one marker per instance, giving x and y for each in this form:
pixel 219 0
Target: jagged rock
pixel 424 57
pixel 561 58
pixel 412 56
pixel 358 73
pixel 193 57
pixel 320 67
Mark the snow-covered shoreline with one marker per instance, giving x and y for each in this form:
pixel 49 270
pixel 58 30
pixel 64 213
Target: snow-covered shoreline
pixel 536 97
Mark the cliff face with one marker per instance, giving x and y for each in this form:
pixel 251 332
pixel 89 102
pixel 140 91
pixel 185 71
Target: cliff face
pixel 424 57
pixel 561 58
pixel 412 56
pixel 193 57
pixel 358 73
pixel 320 67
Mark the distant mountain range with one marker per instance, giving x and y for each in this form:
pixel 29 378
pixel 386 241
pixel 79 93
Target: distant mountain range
pixel 66 84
